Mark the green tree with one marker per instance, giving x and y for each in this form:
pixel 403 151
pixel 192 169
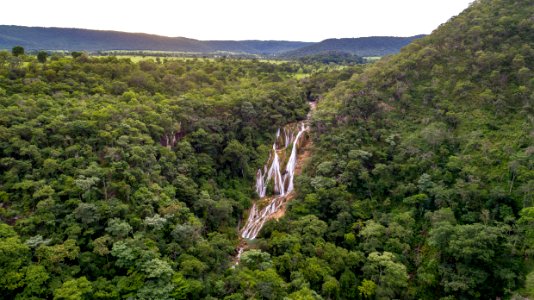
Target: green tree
pixel 14 256
pixel 42 56
pixel 304 294
pixel 256 259
pixel 348 285
pixel 159 285
pixel 262 284
pixel 236 155
pixel 331 288
pixel 74 289
pixel 526 226
pixel 36 278
pixel 367 289
pixel 17 51
pixel 390 276
pixel 76 54
pixel 118 228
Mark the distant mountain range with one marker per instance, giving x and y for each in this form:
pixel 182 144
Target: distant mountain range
pixel 365 46
pixel 72 39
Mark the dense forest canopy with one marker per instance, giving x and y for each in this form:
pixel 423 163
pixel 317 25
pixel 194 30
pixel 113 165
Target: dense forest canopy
pixel 154 158
pixel 130 180
pixel 333 57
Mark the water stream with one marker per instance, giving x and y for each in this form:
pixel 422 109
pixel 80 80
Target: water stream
pixel 278 171
pixel 274 182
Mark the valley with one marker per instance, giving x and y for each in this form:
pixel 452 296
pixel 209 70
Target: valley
pixel 321 175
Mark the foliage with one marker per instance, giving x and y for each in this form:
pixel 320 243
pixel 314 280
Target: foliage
pixel 17 51
pixel 333 57
pixel 41 56
pixel 420 185
pixel 128 180
pixel 122 179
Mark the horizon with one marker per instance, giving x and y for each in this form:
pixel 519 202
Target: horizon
pixel 193 38
pixel 241 20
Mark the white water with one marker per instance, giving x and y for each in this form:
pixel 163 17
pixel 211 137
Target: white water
pixel 282 181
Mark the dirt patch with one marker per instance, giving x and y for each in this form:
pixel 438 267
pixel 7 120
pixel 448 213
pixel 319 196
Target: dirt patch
pixel 313 105
pixel 280 213
pixel 282 210
pixel 385 107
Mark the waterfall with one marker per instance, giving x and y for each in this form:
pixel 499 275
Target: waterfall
pixel 272 172
pixel 260 188
pixel 292 162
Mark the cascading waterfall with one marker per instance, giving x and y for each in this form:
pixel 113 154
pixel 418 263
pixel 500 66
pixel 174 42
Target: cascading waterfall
pixel 292 162
pixel 272 172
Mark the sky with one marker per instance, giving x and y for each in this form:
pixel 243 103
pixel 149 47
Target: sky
pixel 298 20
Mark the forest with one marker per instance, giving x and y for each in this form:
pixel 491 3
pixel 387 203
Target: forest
pixel 123 179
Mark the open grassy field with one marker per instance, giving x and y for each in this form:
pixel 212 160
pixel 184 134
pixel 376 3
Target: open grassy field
pixel 372 58
pixel 138 58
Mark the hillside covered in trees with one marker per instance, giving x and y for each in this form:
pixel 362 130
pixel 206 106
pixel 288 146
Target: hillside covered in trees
pixel 421 183
pixel 124 180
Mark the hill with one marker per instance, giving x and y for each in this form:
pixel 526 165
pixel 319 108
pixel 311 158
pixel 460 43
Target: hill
pixel 365 46
pixel 256 47
pixel 41 38
pixel 423 173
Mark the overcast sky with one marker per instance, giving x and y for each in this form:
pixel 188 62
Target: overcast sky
pixel 311 20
